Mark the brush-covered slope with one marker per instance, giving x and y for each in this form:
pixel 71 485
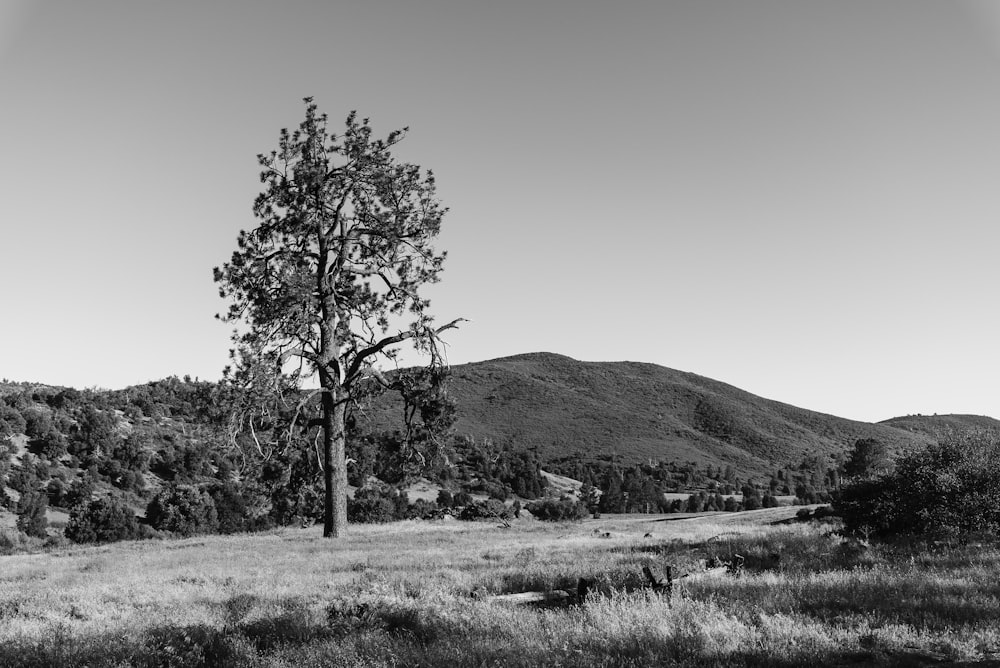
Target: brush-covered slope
pixel 936 426
pixel 642 411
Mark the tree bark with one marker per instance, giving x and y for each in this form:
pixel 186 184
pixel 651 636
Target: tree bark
pixel 334 466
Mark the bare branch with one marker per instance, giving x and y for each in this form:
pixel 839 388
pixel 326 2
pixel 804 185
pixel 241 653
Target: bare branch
pixel 362 355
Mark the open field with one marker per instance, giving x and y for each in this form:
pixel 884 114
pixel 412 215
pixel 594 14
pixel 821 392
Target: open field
pixel 413 593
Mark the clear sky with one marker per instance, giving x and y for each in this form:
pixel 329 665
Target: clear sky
pixel 799 198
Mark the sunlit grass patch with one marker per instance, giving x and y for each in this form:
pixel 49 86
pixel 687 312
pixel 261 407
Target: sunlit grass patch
pixel 416 593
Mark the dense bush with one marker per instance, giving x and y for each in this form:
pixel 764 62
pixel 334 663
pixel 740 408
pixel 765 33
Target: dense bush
pixel 11 421
pixel 52 444
pixel 493 490
pixel 948 490
pixel 370 505
pixel 184 510
pixel 380 503
pixel 554 510
pixel 491 509
pixel 80 491
pixel 445 499
pixel 37 423
pixel 231 507
pixel 102 521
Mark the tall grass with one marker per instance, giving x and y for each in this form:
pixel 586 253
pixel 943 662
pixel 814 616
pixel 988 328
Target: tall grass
pixel 413 593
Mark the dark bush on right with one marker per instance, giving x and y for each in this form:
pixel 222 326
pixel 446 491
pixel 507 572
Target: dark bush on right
pixel 947 490
pixel 102 521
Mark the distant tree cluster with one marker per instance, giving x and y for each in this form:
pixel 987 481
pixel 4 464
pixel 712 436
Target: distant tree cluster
pixel 167 451
pixel 641 488
pixel 554 510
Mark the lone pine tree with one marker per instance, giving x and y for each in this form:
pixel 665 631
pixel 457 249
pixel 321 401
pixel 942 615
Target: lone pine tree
pixel 330 280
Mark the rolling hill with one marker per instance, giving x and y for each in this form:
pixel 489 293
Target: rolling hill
pixel 634 412
pixel 936 426
pixel 560 406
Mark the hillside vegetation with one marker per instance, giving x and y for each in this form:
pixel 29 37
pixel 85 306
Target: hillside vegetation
pixel 938 426
pixel 638 412
pixel 632 437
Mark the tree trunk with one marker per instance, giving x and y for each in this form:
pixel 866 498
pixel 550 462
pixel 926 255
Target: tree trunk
pixel 334 466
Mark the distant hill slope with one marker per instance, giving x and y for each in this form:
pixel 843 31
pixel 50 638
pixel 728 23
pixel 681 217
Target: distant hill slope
pixel 642 411
pixel 936 426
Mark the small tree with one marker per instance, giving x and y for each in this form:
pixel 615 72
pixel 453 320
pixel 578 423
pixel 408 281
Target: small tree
pixel 31 514
pixel 868 456
pixel 343 249
pixel 751 497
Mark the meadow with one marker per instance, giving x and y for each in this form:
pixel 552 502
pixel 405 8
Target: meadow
pixel 417 593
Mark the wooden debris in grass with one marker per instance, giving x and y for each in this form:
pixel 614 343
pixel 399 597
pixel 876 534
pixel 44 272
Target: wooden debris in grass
pixel 531 597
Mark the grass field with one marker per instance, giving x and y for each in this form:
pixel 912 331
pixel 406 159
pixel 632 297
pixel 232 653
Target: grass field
pixel 415 593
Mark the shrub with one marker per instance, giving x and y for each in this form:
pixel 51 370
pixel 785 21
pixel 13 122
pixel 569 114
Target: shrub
pixel 11 421
pixel 378 503
pixel 31 514
pixel 36 423
pixel 491 509
pixel 371 505
pixel 695 503
pixel 94 433
pixel 184 510
pixel 53 444
pixel 80 491
pixel 11 543
pixel 555 510
pixel 423 509
pixel 751 498
pixel 102 521
pixel 948 489
pixel 230 507
pixel 445 499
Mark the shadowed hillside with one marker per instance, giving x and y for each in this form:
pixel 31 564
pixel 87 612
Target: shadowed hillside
pixel 642 411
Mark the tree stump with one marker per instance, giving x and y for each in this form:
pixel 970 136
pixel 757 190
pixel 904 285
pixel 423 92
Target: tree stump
pixel 660 585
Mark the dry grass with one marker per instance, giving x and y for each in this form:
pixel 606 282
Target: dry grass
pixel 404 595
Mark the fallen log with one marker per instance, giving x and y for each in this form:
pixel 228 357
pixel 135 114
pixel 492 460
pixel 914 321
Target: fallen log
pixel 708 572
pixel 530 597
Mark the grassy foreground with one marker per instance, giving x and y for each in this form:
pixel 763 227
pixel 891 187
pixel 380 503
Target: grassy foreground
pixel 412 593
